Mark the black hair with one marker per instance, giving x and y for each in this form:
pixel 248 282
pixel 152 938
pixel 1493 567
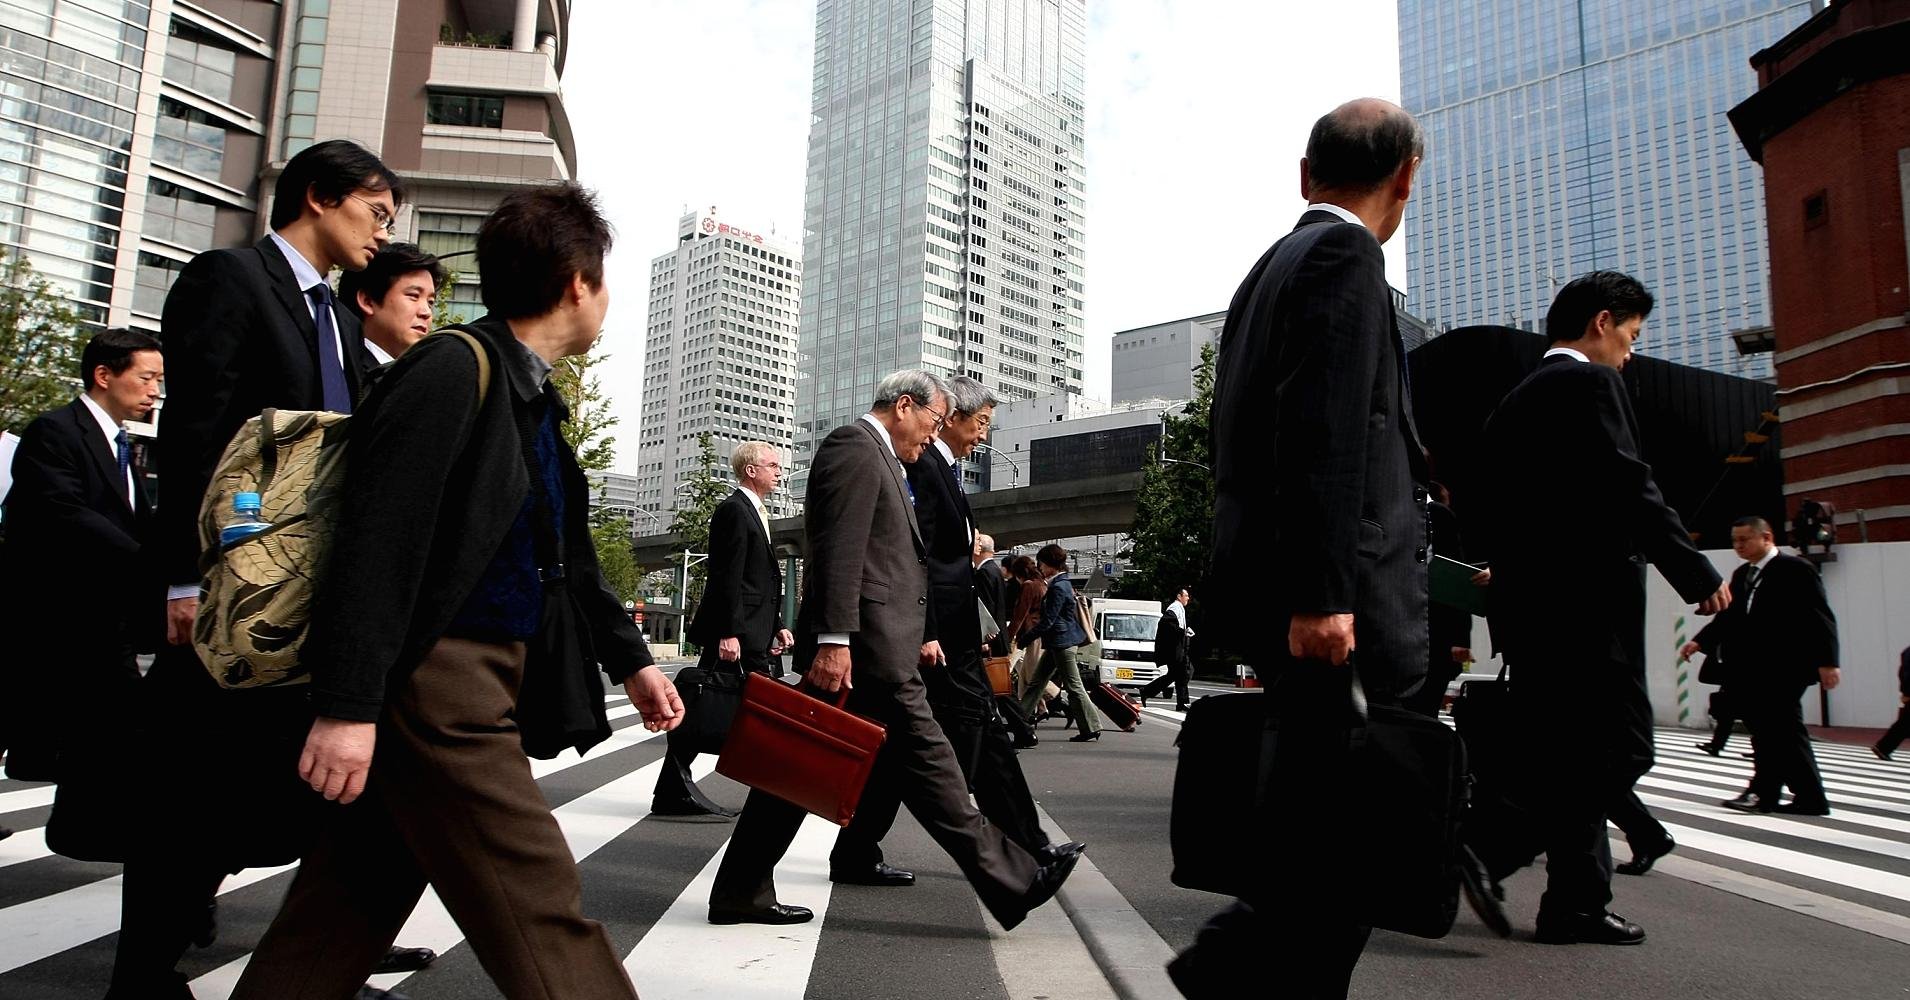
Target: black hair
pixel 1584 297
pixel 391 263
pixel 1022 568
pixel 1753 522
pixel 331 171
pixel 537 239
pixel 1354 149
pixel 1052 555
pixel 113 349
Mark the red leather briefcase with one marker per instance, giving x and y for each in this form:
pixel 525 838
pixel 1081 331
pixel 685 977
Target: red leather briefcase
pixel 800 749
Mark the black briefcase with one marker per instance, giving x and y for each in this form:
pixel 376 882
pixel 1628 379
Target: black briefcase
pixel 710 700
pixel 1395 830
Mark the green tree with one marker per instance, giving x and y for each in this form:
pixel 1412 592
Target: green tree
pixel 615 556
pixel 697 499
pixel 41 337
pixel 1174 510
pixel 590 416
pixel 441 314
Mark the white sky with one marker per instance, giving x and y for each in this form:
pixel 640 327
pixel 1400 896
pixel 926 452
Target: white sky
pixel 1198 112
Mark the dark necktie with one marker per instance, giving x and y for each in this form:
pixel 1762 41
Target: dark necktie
pixel 125 449
pixel 1750 585
pixel 906 484
pixel 331 373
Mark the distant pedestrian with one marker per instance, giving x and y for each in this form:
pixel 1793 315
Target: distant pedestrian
pixel 1059 629
pixel 1899 730
pixel 1172 639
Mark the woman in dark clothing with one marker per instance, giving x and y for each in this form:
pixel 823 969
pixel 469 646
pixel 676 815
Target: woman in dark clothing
pixel 1059 629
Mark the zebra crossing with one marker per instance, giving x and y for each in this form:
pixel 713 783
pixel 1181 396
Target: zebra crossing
pixel 647 879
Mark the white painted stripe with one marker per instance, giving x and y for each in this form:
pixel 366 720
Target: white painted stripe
pixel 23 846
pixel 26 798
pixel 1796 862
pixel 1774 823
pixel 1848 817
pixel 589 822
pixel 1843 912
pixel 51 924
pixel 685 957
pixel 1729 788
pixel 1869 788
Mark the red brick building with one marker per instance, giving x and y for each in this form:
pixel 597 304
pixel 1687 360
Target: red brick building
pixel 1830 122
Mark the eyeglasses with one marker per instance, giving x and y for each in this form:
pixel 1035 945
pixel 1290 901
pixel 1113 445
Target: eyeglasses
pixel 380 216
pixel 941 419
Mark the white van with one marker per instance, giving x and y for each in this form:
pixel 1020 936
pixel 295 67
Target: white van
pixel 1126 631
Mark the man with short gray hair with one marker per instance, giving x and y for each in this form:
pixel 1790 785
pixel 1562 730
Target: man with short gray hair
pixel 864 609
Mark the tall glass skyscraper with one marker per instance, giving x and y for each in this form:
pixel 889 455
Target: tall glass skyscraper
pixel 1564 136
pixel 944 212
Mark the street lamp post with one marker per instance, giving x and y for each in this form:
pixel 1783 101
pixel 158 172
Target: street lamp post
pixel 1004 457
pixel 1164 460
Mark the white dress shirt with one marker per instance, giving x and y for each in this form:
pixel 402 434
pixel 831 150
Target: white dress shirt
pixel 1332 209
pixel 307 277
pixel 1568 352
pixel 762 513
pixel 110 427
pixel 842 638
pixel 1755 584
pixel 378 353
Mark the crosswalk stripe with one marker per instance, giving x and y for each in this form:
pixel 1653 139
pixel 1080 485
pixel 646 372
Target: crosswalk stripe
pixel 589 822
pixel 1780 825
pixel 1847 816
pixel 684 957
pixel 1832 780
pixel 26 798
pixel 1729 787
pixel 1796 862
pixel 24 845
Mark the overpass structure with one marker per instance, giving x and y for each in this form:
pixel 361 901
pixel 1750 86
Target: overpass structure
pixel 1100 506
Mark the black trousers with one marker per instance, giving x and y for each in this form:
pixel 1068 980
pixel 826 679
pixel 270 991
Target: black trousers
pixel 1781 745
pixel 1897 733
pixel 674 784
pixel 915 759
pixel 1173 675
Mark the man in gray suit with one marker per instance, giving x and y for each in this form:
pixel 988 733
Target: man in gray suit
pixel 865 600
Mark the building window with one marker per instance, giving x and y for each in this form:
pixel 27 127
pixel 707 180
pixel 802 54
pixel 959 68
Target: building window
pixel 152 281
pixel 189 139
pixel 179 215
pixel 445 233
pixel 194 62
pixel 308 65
pixel 465 109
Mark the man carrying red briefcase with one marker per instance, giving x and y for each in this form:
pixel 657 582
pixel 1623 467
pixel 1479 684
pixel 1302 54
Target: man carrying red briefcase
pixel 865 596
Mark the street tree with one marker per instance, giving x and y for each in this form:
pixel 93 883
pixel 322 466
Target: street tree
pixel 1174 510
pixel 41 337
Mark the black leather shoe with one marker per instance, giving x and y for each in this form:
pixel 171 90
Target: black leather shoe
pixel 1711 748
pixel 879 874
pixel 404 960
pixel 1482 894
pixel 1642 860
pixel 1588 928
pixel 1047 882
pixel 1802 808
pixel 1084 737
pixel 1748 802
pixel 370 992
pixel 1051 853
pixel 684 808
pixel 1876 748
pixel 774 913
pixel 1028 744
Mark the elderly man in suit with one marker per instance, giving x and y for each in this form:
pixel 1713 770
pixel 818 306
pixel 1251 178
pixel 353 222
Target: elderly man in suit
pixel 739 625
pixel 951 660
pixel 1318 469
pixel 1564 444
pixel 1779 637
pixel 75 519
pixel 865 607
pixel 244 329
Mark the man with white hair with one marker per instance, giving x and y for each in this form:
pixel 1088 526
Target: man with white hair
pixel 739 624
pixel 865 605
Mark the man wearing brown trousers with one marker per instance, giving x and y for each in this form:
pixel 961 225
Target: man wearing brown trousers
pixel 456 630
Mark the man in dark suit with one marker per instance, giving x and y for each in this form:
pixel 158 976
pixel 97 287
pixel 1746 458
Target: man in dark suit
pixel 1171 638
pixel 1779 637
pixel 739 624
pixel 951 661
pixel 1319 532
pixel 864 609
pixel 457 648
pixel 1564 445
pixel 75 519
pixel 244 329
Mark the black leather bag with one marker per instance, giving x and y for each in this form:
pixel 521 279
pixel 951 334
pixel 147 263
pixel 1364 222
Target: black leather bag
pixel 710 700
pixel 1391 835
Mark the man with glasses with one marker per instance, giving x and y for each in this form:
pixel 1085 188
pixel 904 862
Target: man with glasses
pixel 244 330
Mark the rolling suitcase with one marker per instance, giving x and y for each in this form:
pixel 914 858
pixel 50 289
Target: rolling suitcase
pixel 1123 713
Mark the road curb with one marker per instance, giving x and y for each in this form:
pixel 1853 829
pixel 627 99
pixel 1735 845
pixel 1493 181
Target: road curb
pixel 1132 956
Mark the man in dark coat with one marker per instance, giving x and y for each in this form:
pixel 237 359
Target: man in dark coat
pixel 75 519
pixel 1900 729
pixel 1564 445
pixel 462 625
pixel 1779 637
pixel 1319 474
pixel 244 330
pixel 739 623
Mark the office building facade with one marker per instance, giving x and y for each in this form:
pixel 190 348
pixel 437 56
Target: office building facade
pixel 141 132
pixel 1158 362
pixel 719 356
pixel 1565 136
pixel 944 214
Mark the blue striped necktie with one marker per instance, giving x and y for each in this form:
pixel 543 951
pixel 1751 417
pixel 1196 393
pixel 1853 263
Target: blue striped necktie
pixel 331 373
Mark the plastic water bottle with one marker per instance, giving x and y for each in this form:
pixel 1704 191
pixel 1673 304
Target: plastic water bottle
pixel 245 522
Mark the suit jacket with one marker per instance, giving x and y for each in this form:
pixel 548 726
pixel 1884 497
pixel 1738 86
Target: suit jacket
pixel 1561 462
pixel 1781 638
pixel 239 338
pixel 941 509
pixel 740 597
pixel 75 576
pixel 1318 506
pixel 865 564
pixel 435 482
pixel 991 585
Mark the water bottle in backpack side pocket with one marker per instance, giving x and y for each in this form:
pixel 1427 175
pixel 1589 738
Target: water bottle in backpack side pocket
pixel 246 520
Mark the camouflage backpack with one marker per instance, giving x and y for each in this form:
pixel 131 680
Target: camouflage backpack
pixel 256 609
